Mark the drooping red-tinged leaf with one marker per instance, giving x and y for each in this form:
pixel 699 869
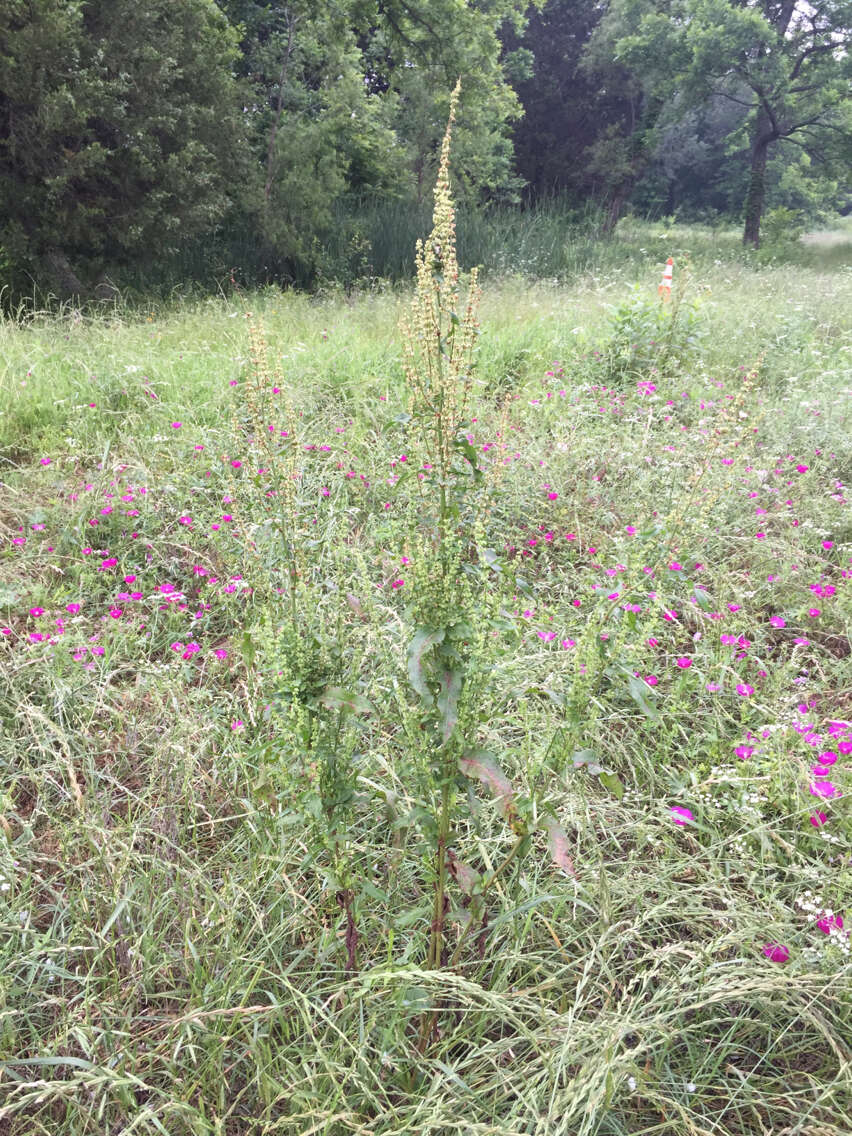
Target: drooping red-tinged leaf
pixel 356 606
pixel 557 843
pixel 466 877
pixel 482 766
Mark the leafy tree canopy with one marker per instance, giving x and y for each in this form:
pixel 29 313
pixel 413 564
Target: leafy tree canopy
pixel 786 62
pixel 120 129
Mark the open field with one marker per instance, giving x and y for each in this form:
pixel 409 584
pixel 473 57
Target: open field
pixel 201 541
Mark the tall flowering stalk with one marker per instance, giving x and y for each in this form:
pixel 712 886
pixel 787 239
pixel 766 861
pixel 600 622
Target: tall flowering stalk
pixel 454 589
pixel 439 343
pixel 449 610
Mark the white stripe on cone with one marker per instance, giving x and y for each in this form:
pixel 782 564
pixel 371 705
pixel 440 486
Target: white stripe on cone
pixel 666 282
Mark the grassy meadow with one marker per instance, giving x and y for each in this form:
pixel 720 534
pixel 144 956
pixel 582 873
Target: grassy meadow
pixel 217 858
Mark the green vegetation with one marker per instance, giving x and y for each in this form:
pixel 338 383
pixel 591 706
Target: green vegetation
pixel 270 584
pixel 290 142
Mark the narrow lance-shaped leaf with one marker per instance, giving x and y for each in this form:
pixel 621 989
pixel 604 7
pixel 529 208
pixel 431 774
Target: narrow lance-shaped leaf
pixel 448 701
pixel 639 692
pixel 420 646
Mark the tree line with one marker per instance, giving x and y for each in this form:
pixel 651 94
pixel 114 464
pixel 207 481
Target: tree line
pixel 130 128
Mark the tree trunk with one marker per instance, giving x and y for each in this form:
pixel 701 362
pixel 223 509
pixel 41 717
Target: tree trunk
pixel 762 138
pixel 61 277
pixel 292 21
pixel 279 104
pixel 614 209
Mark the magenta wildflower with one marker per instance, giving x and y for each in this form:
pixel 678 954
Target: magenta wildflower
pixel 176 425
pixel 745 690
pixel 777 621
pixel 743 752
pixel 36 611
pixel 684 662
pixel 828 922
pixel 819 819
pixel 776 952
pixel 680 815
pixel 826 789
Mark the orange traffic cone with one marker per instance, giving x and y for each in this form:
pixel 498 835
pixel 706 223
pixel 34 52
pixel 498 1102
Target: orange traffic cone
pixel 665 288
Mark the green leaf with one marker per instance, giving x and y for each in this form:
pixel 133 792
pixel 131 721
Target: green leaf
pixel 248 650
pixel 373 892
pixel 482 766
pixel 651 531
pixel 492 559
pixel 555 697
pixel 422 643
pixel 640 693
pixel 470 455
pixel 336 698
pixel 613 783
pixel 448 701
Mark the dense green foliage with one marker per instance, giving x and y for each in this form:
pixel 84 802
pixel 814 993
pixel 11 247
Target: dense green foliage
pixel 147 144
pixel 119 132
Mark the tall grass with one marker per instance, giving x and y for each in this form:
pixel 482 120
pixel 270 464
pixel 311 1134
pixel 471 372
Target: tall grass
pixel 371 244
pixel 173 954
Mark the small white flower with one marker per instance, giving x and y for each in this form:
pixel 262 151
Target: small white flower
pixel 631 1084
